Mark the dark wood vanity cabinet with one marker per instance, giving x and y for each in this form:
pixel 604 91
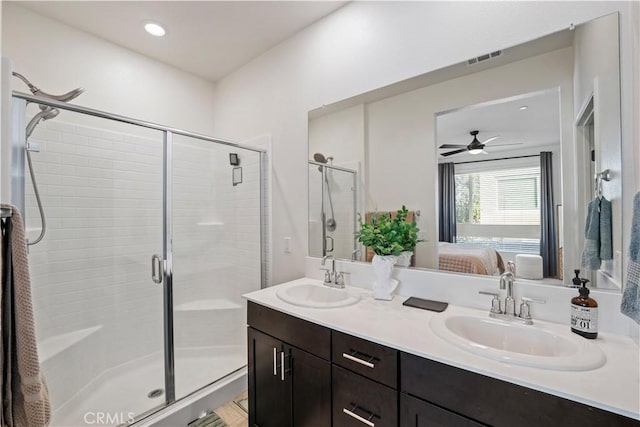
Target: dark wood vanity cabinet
pixel 489 401
pixel 289 386
pixel 304 375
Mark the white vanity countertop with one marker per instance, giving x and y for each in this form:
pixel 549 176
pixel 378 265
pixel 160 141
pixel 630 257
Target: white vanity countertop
pixel 614 387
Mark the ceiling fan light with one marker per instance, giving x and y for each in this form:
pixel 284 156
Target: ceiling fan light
pixel 475 151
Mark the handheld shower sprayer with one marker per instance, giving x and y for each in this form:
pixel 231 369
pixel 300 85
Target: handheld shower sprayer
pixel 320 158
pixel 46 112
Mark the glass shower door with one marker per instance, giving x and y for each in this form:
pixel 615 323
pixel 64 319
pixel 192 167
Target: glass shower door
pixel 98 313
pixel 332 211
pixel 340 211
pixel 216 242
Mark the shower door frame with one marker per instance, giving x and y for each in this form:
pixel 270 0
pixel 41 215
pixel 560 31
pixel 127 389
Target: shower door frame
pixel 19 104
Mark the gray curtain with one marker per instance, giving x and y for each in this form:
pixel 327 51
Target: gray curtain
pixel 447 196
pixel 548 249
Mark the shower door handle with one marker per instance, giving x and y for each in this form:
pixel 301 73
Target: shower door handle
pixel 330 239
pixel 156 269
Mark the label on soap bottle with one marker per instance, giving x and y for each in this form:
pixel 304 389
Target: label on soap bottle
pixel 584 319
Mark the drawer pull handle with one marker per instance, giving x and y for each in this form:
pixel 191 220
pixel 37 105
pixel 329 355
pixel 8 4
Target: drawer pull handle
pixel 366 363
pixel 275 361
pixel 358 417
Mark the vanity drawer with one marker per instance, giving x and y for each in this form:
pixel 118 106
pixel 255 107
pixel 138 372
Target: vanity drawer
pixel 495 402
pixel 307 336
pixel 418 413
pixel 359 402
pixel 372 360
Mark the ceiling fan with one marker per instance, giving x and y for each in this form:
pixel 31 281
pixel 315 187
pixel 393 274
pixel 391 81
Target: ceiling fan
pixel 475 147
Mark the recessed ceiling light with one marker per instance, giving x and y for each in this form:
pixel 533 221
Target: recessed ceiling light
pixel 524 107
pixel 154 29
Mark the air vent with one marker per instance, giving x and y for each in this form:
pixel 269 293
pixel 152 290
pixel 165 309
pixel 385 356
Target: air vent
pixel 485 57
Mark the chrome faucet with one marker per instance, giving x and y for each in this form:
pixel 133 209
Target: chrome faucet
pixel 331 276
pixel 509 313
pixel 506 282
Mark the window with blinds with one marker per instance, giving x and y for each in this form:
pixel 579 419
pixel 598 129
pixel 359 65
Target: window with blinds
pixel 499 208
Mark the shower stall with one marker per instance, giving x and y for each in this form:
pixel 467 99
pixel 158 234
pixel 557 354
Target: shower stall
pixel 150 242
pixel 332 209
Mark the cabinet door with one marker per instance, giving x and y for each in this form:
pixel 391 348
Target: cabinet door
pixel 418 413
pixel 269 393
pixel 310 380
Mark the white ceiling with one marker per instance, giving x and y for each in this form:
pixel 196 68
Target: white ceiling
pixel 206 38
pixel 537 126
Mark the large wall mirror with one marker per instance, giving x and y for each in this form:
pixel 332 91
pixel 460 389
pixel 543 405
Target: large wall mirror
pixel 498 159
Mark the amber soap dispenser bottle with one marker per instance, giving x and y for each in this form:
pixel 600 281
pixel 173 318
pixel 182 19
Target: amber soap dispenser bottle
pixel 584 313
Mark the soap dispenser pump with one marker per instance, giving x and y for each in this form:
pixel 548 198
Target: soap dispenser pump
pixel 584 313
pixel 576 280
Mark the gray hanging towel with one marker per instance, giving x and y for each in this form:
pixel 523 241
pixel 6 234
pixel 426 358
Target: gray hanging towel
pixel 631 296
pixel 591 253
pixel 606 241
pixel 25 395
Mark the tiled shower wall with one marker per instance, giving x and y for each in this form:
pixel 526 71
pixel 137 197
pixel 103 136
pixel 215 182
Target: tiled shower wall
pixel 101 185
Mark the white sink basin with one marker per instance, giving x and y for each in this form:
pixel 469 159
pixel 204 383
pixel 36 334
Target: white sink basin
pixel 526 345
pixel 316 296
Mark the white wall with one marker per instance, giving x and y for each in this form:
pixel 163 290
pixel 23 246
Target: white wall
pixel 364 46
pixel 58 58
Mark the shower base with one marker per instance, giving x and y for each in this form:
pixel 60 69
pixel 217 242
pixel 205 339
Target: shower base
pixel 119 394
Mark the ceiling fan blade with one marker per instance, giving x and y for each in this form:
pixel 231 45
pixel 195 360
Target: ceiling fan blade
pixel 450 153
pixel 504 145
pixel 493 138
pixel 452 146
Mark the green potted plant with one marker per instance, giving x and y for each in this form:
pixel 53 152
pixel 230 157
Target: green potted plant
pixel 388 238
pixel 408 237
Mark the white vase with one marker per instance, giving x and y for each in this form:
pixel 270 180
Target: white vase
pixel 384 284
pixel 404 259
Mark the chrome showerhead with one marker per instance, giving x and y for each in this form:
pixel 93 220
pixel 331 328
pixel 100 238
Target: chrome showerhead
pixel 66 97
pixel 320 158
pixel 46 114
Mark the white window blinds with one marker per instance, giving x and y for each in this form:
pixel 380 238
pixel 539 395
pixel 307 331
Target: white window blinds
pixel 499 207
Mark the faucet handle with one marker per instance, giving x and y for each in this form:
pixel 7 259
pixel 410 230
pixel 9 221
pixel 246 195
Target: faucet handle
pixel 525 308
pixel 495 302
pixel 327 275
